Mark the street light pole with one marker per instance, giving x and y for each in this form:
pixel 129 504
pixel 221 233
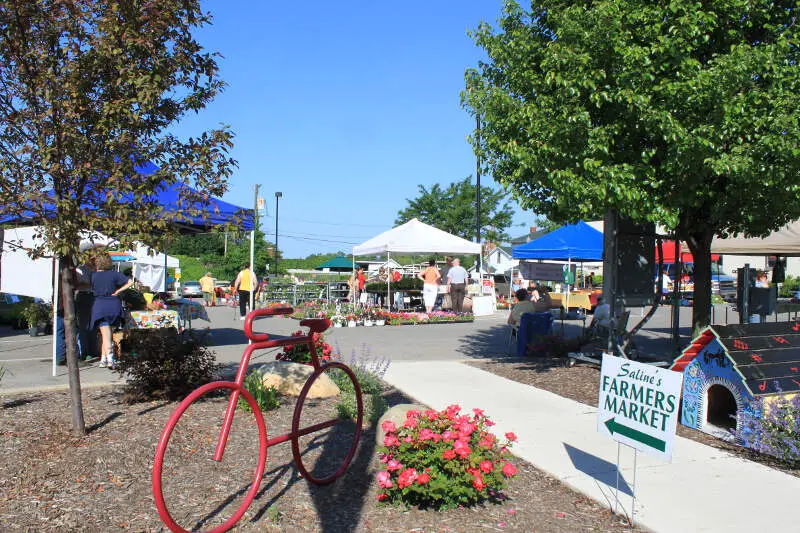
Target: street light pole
pixel 478 190
pixel 277 196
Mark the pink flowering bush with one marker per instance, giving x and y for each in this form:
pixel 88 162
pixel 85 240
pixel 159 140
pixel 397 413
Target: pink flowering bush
pixel 443 459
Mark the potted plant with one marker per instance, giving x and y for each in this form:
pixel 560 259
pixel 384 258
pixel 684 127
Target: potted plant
pixel 38 316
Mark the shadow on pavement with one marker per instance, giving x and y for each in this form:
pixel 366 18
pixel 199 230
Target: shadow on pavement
pixel 599 469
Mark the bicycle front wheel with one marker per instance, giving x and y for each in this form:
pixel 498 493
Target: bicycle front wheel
pixel 334 439
pixel 202 493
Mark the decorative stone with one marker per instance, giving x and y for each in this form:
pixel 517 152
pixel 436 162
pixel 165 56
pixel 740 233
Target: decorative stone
pixel 397 414
pixel 290 378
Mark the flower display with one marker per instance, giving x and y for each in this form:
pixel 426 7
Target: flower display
pixel 443 459
pixel 301 353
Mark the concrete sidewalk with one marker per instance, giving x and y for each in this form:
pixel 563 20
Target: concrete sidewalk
pixel 703 489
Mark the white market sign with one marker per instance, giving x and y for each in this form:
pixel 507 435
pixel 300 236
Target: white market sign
pixel 638 405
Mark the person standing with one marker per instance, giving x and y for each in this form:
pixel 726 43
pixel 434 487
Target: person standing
pixel 362 281
pixel 107 308
pixel 207 286
pixel 244 284
pixel 457 282
pixel 430 285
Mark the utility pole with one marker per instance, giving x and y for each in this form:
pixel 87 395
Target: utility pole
pixel 277 196
pixel 225 253
pixel 478 191
pixel 252 248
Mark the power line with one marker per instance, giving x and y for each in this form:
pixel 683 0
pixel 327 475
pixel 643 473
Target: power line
pixel 328 223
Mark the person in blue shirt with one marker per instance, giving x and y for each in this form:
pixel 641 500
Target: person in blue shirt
pixel 107 308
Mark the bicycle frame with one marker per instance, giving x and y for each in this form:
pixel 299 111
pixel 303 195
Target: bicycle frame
pixel 261 341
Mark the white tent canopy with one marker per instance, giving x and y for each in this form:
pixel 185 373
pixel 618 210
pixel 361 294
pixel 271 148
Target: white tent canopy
pixel 416 237
pixel 785 241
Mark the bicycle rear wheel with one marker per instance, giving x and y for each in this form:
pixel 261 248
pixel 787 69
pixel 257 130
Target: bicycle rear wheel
pixel 188 463
pixel 344 435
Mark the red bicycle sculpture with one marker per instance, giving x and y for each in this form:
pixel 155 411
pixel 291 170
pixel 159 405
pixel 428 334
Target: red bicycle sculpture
pixel 237 390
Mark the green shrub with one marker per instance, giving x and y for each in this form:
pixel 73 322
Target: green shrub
pixel 162 364
pixel 347 407
pixel 266 397
pixel 789 287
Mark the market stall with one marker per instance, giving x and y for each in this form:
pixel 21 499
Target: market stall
pixel 415 237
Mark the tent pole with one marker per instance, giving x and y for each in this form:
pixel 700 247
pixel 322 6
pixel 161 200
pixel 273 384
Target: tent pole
pixel 57 268
pixel 388 280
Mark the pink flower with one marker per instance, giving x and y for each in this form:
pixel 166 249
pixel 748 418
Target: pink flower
pixel 408 439
pixel 382 496
pixel 452 411
pixel 487 466
pixel 385 479
pixel 388 426
pixel 478 482
pixel 431 415
pixel 509 470
pixel 488 422
pixel 448 436
pixel 410 423
pixel 406 478
pixel 449 454
pixel 510 436
pixel 385 458
pixel 390 440
pixel 394 465
pixel 426 434
pixel 423 478
pixel 462 449
pixel 478 412
pixel 412 413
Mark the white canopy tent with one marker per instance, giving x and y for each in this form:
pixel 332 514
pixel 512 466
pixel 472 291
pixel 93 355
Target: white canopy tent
pixel 785 241
pixel 21 275
pixel 415 237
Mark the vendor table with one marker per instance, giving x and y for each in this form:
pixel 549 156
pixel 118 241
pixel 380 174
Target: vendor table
pixel 188 310
pixel 161 318
pixel 577 300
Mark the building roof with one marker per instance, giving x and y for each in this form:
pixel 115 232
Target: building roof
pixel 528 237
pixel 765 355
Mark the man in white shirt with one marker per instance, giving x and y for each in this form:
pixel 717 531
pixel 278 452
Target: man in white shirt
pixel 602 317
pixel 457 282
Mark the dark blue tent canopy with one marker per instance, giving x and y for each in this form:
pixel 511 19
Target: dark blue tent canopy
pixel 577 242
pixel 215 213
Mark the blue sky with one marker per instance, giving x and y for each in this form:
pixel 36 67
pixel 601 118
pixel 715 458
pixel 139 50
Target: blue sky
pixel 344 107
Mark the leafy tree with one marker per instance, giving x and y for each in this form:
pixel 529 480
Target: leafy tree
pixel 453 210
pixel 88 92
pixel 681 113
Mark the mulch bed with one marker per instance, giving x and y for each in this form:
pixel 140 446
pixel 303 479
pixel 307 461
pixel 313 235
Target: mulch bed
pixel 53 481
pixel 582 384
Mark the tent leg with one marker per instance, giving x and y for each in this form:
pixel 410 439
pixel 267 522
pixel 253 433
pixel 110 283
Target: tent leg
pixel 388 280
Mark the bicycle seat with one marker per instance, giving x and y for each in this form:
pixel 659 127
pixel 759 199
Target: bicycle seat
pixel 316 325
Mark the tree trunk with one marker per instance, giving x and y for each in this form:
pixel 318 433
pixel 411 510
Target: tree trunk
pixel 700 245
pixel 68 297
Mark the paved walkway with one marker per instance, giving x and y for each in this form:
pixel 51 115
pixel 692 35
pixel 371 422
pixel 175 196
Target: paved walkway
pixel 703 489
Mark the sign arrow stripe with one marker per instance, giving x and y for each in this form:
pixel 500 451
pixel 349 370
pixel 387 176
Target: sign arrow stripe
pixel 634 434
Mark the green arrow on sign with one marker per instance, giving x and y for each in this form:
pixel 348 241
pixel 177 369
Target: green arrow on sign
pixel 634 434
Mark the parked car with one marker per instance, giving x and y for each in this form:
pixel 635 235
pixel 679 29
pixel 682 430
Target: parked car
pixel 722 284
pixel 191 289
pixel 11 307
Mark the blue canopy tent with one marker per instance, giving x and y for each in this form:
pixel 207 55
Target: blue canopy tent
pixel 214 213
pixel 576 242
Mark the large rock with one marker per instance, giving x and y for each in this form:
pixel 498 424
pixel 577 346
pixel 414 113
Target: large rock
pixel 290 378
pixel 396 414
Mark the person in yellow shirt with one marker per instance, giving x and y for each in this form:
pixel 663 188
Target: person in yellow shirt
pixel 207 286
pixel 245 282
